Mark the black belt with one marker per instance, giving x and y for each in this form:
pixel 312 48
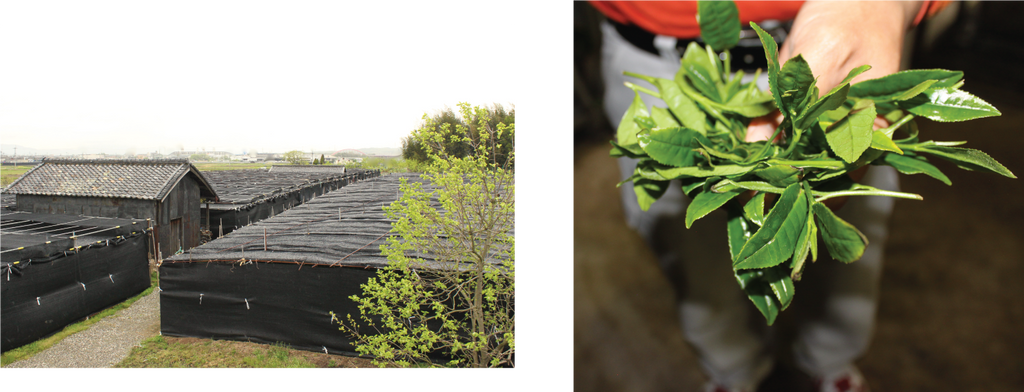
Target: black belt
pixel 747 55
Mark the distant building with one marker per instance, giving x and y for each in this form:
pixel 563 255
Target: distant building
pixel 308 169
pixel 169 192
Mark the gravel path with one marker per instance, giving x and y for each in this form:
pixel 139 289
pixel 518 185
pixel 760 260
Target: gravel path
pixel 104 344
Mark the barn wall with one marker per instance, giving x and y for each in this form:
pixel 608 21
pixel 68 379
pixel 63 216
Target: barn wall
pixel 182 202
pixel 89 206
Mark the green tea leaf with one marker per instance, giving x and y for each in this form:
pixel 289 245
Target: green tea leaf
pixel 771 53
pixel 803 247
pixel 752 105
pixel 696 171
pixel 773 243
pixel 628 129
pixel 920 88
pixel 733 86
pixel 831 101
pixel 751 96
pixel 704 203
pixel 795 81
pixel 760 186
pixel 663 119
pixel 781 284
pixel 900 82
pixel 646 123
pixel 648 191
pixel 719 154
pixel 719 24
pixel 948 105
pixel 849 77
pixel 682 106
pixel 913 165
pixel 844 242
pixel 704 103
pixel 967 158
pixel 701 71
pixel 808 241
pixel 669 146
pixel 645 169
pixel 880 141
pixel 633 151
pixel 759 293
pixel 748 111
pixel 849 137
pixel 690 184
pixel 699 140
pixel 779 175
pixel 754 209
pixel 816 162
pixel 738 229
pixel 715 68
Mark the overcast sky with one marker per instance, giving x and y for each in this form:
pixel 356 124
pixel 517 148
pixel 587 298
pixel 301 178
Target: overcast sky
pixel 117 77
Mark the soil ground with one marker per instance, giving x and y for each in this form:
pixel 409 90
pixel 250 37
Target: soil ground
pixel 951 305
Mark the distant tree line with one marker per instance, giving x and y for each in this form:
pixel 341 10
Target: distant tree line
pixel 413 148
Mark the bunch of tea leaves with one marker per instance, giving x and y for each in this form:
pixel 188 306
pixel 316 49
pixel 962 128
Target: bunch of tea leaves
pixel 699 140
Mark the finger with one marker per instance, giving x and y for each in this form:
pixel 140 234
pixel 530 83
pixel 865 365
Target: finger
pixel 762 128
pixel 759 129
pixel 881 122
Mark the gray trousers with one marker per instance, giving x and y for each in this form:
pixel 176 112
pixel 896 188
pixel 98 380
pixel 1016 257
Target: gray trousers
pixel 835 304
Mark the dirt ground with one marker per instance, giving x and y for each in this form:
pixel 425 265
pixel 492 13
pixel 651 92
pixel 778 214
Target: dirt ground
pixel 951 306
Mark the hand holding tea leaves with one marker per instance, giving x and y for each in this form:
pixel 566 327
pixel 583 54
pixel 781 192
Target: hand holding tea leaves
pixel 701 140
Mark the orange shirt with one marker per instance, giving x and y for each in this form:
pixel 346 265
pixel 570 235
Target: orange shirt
pixel 679 18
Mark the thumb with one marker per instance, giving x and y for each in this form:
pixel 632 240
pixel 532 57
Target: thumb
pixel 762 128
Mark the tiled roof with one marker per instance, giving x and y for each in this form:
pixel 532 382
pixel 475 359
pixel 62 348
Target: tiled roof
pixel 125 178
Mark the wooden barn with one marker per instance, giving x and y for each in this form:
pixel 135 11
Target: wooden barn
pixel 167 192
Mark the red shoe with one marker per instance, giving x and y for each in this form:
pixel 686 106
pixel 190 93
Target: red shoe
pixel 849 380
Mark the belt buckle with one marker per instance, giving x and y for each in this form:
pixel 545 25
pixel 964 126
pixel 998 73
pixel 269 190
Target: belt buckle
pixel 748 54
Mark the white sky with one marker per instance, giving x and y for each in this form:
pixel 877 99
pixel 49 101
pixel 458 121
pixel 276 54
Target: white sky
pixel 269 76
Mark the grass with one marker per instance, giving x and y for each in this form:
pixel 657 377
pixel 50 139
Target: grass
pixel 188 352
pixel 173 352
pixel 28 350
pixel 158 352
pixel 10 173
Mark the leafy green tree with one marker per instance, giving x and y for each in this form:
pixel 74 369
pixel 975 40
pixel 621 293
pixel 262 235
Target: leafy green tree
pixel 449 286
pixel 321 160
pixel 295 157
pixel 412 148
